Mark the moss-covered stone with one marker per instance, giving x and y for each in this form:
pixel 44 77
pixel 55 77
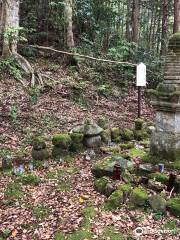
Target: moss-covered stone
pixel 38 143
pixel 125 146
pixel 114 201
pixel 174 206
pixel 158 203
pixel 58 152
pixel 100 185
pixel 62 141
pixel 127 135
pixel 159 177
pixel 77 137
pixel 115 133
pixel 103 122
pixel 139 197
pixel 139 124
pixel 41 154
pixel 106 136
pixel 76 147
pixel 140 135
pixel 136 152
pixel 126 189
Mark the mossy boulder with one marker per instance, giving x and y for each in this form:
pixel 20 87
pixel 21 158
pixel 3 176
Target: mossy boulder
pixel 114 201
pixel 158 203
pixel 125 146
pixel 58 152
pixel 139 124
pixel 174 206
pixel 106 136
pixel 77 137
pixel 38 143
pixel 127 135
pixel 109 189
pixel 62 140
pixel 140 135
pixel 139 197
pixel 126 189
pixel 41 154
pixel 76 147
pixel 103 122
pixel 105 167
pixel 93 141
pixel 100 185
pixel 159 177
pixel 115 134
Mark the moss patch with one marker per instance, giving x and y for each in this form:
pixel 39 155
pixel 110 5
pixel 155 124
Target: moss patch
pixel 100 184
pixel 62 140
pixel 127 135
pixel 29 179
pixel 174 206
pixel 13 191
pixel 112 234
pixel 139 197
pixel 41 212
pixel 114 201
pixel 134 152
pixel 159 177
pixel 139 124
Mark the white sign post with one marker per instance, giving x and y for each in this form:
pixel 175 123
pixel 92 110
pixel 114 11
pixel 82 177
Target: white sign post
pixel 140 82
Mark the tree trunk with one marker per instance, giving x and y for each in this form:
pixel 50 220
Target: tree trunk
pixel 69 22
pixel 10 20
pixel 176 16
pixel 135 20
pixel 164 27
pixel 128 21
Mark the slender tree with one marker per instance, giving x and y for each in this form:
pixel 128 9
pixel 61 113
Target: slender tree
pixel 69 22
pixel 176 16
pixel 164 27
pixel 135 20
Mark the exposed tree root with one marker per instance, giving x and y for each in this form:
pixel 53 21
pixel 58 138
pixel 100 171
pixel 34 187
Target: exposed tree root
pixel 27 68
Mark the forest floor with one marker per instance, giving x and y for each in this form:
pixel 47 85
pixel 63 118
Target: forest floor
pixel 60 200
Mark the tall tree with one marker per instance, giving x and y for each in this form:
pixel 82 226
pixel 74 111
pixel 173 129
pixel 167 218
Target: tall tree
pixel 164 26
pixel 135 20
pixel 176 16
pixel 69 22
pixel 10 19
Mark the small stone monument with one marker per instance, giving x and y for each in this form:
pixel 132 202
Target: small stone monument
pixel 165 142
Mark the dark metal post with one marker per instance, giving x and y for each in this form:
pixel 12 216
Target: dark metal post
pixel 139 102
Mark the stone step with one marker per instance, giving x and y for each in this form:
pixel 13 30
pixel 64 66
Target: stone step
pixel 166 81
pixel 172 74
pixel 172 77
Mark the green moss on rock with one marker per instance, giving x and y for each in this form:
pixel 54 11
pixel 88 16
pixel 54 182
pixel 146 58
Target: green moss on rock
pixel 140 135
pixel 41 154
pixel 106 136
pixel 58 152
pixel 38 143
pixel 159 177
pixel 103 122
pixel 174 206
pixel 62 140
pixel 115 133
pixel 139 197
pixel 114 201
pixel 139 124
pixel 77 137
pixel 126 188
pixel 76 147
pixel 100 185
pixel 127 135
pixel 125 146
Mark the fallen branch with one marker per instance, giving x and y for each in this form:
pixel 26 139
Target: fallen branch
pixel 83 56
